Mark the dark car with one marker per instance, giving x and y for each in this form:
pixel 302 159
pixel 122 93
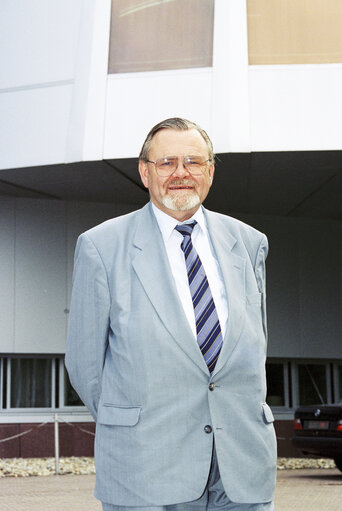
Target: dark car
pixel 318 431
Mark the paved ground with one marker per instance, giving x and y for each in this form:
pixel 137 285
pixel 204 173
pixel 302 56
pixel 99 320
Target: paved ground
pixel 297 490
pixel 309 490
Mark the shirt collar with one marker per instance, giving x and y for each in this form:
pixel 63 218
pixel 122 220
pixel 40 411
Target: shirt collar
pixel 167 223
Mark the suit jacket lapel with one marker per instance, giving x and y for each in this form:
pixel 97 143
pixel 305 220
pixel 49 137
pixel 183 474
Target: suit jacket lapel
pixel 153 270
pixel 233 272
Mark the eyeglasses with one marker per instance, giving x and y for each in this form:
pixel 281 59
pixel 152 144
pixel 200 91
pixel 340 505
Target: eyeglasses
pixel 169 164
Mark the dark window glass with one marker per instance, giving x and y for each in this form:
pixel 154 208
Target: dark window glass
pixel 71 398
pixel 275 384
pixel 3 383
pixel 31 382
pixel 340 383
pixel 312 384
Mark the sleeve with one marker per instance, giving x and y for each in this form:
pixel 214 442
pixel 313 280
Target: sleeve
pixel 87 337
pixel 260 274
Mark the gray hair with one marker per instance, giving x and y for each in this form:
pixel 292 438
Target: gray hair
pixel 175 123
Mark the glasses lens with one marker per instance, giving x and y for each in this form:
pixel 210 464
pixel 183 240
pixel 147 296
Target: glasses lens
pixel 195 165
pixel 166 166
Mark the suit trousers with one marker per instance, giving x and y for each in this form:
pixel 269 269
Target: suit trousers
pixel 213 498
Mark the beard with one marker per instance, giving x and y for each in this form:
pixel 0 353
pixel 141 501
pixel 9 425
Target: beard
pixel 183 200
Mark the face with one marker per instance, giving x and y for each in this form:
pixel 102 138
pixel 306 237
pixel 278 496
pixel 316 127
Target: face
pixel 181 194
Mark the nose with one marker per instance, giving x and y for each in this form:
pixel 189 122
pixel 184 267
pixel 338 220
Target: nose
pixel 180 170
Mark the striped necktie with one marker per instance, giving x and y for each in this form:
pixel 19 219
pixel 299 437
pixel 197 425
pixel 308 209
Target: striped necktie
pixel 209 335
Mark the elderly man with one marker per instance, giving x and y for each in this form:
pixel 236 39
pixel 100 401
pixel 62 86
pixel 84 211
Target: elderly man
pixel 167 343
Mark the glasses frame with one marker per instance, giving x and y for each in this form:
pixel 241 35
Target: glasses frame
pixel 202 165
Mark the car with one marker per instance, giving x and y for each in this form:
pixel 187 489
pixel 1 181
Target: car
pixel 318 431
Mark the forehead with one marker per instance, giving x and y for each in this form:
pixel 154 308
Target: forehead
pixel 169 142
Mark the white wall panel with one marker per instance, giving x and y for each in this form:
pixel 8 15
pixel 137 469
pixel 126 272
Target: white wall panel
pixel 7 244
pixel 38 40
pixel 33 128
pixel 40 286
pixel 57 103
pixel 296 108
pixel 230 97
pixel 86 129
pixel 137 101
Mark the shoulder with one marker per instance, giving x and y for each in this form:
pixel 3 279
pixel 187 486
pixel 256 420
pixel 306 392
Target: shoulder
pixel 113 225
pixel 234 226
pixel 244 235
pixel 109 236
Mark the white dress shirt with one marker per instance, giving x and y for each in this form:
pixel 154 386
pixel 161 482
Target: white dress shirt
pixel 201 242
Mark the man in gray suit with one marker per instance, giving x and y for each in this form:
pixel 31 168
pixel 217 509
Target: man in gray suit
pixel 167 343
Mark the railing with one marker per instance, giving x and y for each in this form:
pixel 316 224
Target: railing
pixel 56 421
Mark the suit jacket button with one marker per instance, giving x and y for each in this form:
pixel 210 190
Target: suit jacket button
pixel 208 429
pixel 211 386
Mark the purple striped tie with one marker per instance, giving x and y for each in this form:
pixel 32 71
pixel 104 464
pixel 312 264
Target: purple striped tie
pixel 209 335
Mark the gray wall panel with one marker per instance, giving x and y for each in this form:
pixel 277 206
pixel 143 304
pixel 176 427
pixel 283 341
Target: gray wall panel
pixel 319 280
pixel 7 243
pixel 81 216
pixel 303 286
pixel 37 246
pixel 40 286
pixel 283 290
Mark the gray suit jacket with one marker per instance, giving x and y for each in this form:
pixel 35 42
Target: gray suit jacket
pixel 134 361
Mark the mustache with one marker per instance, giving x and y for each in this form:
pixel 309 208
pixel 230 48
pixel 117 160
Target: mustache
pixel 182 182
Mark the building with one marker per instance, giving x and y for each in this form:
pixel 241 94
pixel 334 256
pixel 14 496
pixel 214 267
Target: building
pixel 81 84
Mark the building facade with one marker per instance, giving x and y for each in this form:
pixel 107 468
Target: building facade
pixel 82 82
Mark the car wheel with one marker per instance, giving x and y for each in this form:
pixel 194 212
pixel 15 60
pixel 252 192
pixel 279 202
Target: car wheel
pixel 338 463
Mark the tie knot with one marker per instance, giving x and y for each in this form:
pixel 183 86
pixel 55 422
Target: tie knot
pixel 186 229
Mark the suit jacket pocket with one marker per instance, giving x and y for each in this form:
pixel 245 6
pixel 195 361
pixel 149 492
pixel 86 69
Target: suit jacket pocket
pixel 268 415
pixel 118 415
pixel 255 299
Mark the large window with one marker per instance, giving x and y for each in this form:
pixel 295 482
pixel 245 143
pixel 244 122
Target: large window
pixel 151 35
pixel 291 383
pixel 294 31
pixel 28 382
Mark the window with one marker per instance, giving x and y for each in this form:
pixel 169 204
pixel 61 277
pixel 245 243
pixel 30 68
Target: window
pixel 71 398
pixel 338 382
pixel 312 384
pixel 31 382
pixel 294 31
pixel 291 384
pixel 42 382
pixel 276 374
pixel 2 384
pixel 152 35
pixel 28 382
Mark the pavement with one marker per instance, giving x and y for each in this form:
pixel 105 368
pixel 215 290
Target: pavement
pixel 297 490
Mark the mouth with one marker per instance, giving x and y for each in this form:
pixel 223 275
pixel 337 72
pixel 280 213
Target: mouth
pixel 180 186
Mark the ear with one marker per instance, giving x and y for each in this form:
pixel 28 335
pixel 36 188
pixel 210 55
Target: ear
pixel 143 171
pixel 211 173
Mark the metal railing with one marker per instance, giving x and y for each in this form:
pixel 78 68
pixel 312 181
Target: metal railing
pixel 56 420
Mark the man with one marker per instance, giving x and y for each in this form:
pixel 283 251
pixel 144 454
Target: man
pixel 167 343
